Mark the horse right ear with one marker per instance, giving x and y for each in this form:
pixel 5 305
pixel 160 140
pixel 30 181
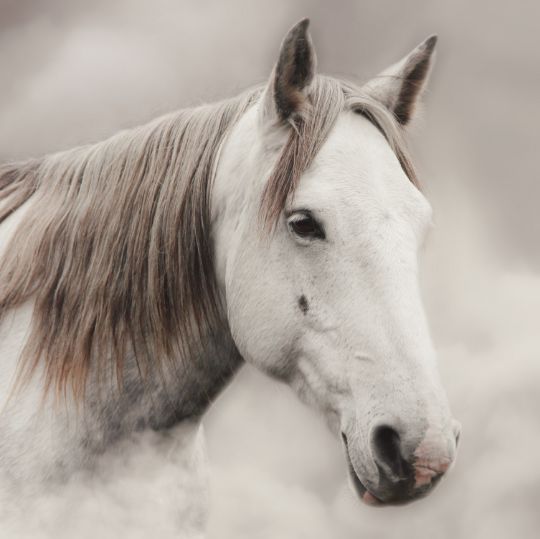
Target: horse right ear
pixel 285 97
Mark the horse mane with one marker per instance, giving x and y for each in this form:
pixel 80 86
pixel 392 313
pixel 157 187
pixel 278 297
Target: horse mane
pixel 116 250
pixel 328 97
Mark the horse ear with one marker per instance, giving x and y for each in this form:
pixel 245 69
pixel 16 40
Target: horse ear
pixel 400 86
pixel 286 94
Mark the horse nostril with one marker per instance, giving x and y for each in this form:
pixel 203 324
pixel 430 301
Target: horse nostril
pixel 456 427
pixel 386 444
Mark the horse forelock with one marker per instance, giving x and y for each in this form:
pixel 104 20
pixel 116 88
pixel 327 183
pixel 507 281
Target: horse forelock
pixel 116 253
pixel 327 99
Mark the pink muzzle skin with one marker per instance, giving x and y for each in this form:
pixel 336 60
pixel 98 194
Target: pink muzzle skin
pixel 428 466
pixel 425 471
pixel 369 499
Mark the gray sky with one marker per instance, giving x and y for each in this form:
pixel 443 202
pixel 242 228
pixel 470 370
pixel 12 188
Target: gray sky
pixel 75 72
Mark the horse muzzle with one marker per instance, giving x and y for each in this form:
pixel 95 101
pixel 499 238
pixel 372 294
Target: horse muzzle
pixel 402 479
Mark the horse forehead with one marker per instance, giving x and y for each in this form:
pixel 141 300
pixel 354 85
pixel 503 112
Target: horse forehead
pixel 353 130
pixel 356 151
pixel 357 166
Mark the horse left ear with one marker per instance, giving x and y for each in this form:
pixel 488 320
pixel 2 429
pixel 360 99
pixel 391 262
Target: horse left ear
pixel 286 94
pixel 400 86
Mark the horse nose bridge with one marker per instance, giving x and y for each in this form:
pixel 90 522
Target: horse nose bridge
pixel 418 387
pixel 412 397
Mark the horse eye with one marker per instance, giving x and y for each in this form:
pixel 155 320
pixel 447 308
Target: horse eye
pixel 305 226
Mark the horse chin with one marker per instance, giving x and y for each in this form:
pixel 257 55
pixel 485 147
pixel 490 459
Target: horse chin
pixel 363 493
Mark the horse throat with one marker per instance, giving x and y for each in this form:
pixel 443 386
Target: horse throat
pixel 179 391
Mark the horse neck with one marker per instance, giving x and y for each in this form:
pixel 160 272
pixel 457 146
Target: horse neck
pixel 158 400
pixel 177 392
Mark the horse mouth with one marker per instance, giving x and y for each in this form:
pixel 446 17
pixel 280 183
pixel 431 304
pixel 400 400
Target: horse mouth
pixel 404 491
pixel 363 492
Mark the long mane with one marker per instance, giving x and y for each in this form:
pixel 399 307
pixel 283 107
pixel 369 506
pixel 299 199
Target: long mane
pixel 115 250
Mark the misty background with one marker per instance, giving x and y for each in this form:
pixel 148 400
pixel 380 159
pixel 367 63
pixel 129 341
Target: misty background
pixel 74 72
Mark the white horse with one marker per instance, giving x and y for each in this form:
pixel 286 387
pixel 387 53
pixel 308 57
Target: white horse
pixel 280 228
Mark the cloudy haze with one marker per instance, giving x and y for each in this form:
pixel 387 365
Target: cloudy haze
pixel 74 72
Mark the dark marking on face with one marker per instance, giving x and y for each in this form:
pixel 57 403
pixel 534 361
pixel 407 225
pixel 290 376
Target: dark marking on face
pixel 303 304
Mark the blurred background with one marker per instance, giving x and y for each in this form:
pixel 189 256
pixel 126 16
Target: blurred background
pixel 74 72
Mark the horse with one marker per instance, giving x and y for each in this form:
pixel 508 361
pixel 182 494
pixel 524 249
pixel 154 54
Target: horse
pixel 279 228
